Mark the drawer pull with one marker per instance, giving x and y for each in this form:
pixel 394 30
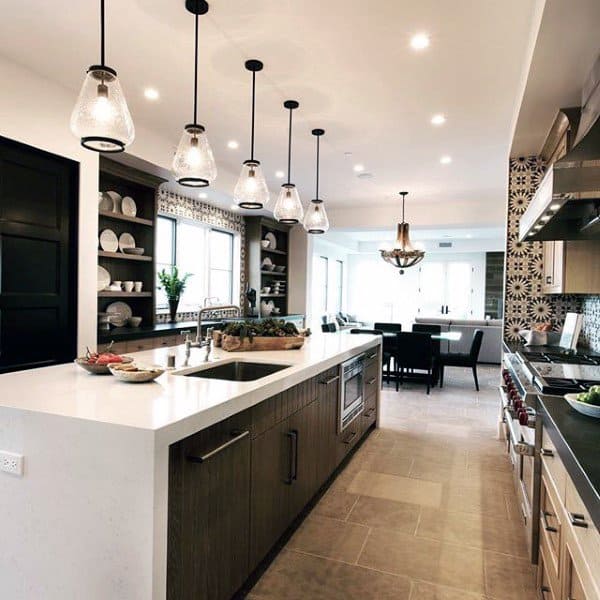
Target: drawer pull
pixel 293 471
pixel 330 381
pixel 578 520
pixel 547 527
pixel 547 452
pixel 545 590
pixel 372 381
pixel 238 435
pixel 372 356
pixel 369 413
pixel 349 439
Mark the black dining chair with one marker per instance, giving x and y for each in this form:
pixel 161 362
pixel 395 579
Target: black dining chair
pixel 463 360
pixel 388 327
pixel 414 351
pixel 433 329
pixel 328 328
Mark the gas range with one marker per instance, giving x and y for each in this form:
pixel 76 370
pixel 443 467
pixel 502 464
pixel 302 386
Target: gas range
pixel 566 358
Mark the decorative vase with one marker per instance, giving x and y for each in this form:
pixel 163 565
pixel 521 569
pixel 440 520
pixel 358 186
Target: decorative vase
pixel 173 304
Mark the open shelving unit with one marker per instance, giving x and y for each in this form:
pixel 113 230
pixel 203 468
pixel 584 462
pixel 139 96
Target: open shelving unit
pixel 256 230
pixel 140 186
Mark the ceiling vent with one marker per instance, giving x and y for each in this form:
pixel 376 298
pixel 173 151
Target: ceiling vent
pixel 365 175
pixel 445 245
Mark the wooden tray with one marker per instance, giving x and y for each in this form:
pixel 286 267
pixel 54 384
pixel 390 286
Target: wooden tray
pixel 232 343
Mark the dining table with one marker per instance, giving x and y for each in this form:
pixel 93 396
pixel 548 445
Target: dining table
pixel 447 336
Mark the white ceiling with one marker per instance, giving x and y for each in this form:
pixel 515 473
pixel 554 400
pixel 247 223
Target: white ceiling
pixel 565 49
pixel 347 62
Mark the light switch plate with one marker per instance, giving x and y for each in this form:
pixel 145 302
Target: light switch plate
pixel 11 463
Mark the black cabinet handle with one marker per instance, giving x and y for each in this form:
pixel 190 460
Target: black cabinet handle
pixel 369 413
pixel 293 466
pixel 548 453
pixel 349 439
pixel 545 590
pixel 372 381
pixel 329 381
pixel 371 356
pixel 547 527
pixel 548 279
pixel 237 436
pixel 578 520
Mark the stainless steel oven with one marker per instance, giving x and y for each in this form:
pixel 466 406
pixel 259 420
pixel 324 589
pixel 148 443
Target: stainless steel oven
pixel 351 397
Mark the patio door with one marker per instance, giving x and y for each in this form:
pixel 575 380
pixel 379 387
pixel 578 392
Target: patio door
pixel 446 289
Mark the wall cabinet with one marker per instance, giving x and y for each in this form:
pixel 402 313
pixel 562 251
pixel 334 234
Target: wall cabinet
pixel 569 557
pixel 570 267
pixel 236 487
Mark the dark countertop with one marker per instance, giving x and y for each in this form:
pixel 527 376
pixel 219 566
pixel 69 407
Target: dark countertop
pixel 521 348
pixel 122 334
pixel 577 440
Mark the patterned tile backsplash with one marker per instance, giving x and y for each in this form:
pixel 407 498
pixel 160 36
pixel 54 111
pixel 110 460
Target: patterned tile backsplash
pixel 172 203
pixel 590 334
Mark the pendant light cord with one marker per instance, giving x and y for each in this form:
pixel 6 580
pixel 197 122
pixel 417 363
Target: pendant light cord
pixel 403 199
pixel 102 32
pixel 317 194
pixel 289 148
pixel 195 73
pixel 253 105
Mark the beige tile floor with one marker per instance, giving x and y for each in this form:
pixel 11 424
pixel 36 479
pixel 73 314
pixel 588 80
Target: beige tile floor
pixel 423 511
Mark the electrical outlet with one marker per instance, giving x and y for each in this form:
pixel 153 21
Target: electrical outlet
pixel 11 463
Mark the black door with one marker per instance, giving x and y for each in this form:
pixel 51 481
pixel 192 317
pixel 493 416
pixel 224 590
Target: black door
pixel 38 254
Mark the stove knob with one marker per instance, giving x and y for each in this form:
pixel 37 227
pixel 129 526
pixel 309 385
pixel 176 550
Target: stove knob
pixel 518 404
pixel 523 417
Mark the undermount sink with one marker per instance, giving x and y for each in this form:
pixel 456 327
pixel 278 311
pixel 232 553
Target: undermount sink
pixel 236 371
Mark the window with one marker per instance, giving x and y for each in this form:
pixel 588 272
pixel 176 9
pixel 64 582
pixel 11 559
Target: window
pixel 208 254
pixel 220 277
pixel 339 283
pixel 320 285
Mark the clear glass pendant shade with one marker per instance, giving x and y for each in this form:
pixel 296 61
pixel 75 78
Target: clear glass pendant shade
pixel 251 190
pixel 315 219
pixel 194 164
pixel 288 208
pixel 101 118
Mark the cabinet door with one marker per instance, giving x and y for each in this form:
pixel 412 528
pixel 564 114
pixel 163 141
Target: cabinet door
pixel 558 266
pixel 209 506
pixel 304 429
pixel 548 260
pixel 574 589
pixel 269 498
pixel 328 402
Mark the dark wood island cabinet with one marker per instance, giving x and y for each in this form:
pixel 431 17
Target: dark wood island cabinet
pixel 236 487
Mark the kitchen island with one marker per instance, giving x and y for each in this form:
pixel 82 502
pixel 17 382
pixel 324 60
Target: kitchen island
pixel 106 462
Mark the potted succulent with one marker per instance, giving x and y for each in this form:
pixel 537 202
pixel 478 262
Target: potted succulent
pixel 173 286
pixel 270 334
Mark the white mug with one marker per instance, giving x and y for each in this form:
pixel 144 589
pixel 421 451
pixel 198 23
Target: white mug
pixel 138 285
pixel 128 286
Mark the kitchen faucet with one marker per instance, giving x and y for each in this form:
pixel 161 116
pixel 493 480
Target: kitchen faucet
pixel 200 343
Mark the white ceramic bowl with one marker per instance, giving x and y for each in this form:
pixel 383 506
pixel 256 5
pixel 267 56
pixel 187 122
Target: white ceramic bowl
pixel 265 243
pixel 145 373
pixel 136 251
pixel 582 407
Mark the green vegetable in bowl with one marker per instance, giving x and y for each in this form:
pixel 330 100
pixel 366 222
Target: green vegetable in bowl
pixel 266 328
pixel 590 397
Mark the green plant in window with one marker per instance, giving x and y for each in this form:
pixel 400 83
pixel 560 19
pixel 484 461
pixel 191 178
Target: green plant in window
pixel 172 284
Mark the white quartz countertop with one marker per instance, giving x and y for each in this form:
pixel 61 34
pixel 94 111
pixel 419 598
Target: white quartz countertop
pixel 173 406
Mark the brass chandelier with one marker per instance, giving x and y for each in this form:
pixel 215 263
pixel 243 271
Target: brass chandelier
pixel 403 254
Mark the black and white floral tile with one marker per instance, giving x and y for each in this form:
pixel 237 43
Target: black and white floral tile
pixel 590 334
pixel 525 304
pixel 172 203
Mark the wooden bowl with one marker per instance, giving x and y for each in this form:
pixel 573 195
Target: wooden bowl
pixel 99 369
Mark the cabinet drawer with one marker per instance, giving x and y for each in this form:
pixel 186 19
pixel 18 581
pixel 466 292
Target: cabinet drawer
pixel 139 345
pixel 547 584
pixel 371 356
pixel 584 530
pixel 347 439
pixel 167 341
pixel 369 414
pixel 550 524
pixel 371 379
pixel 578 583
pixel 556 470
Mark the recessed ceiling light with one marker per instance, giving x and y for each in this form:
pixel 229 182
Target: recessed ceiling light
pixel 279 174
pixel 438 119
pixel 233 145
pixel 545 218
pixel 538 226
pixel 358 168
pixel 419 41
pixel 554 206
pixel 235 207
pixel 203 195
pixel 151 94
pixel 446 160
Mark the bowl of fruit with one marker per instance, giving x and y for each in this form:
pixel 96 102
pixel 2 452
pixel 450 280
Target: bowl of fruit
pixel 587 403
pixel 97 362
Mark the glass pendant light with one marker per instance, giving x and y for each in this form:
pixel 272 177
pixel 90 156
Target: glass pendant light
pixel 288 208
pixel 403 254
pixel 251 189
pixel 194 163
pixel 100 118
pixel 315 220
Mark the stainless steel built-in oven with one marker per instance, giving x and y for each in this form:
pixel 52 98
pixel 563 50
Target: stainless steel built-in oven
pixel 351 398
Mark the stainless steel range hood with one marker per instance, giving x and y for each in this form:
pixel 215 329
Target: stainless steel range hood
pixel 566 205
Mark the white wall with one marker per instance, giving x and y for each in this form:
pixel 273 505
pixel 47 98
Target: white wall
pixel 378 292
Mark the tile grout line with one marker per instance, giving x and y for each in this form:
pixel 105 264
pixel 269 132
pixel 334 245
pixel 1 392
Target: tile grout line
pixel 363 545
pixel 347 518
